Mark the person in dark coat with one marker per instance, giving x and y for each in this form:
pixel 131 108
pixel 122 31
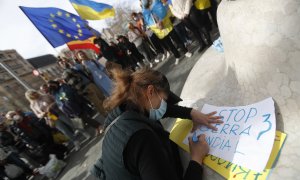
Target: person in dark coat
pixel 110 53
pixel 135 145
pixel 73 105
pixel 135 57
pixel 35 132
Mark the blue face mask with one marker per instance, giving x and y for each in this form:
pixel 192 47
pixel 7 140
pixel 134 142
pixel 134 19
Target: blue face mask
pixel 157 114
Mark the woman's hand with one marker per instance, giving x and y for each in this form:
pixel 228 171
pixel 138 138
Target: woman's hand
pixel 198 149
pixel 207 120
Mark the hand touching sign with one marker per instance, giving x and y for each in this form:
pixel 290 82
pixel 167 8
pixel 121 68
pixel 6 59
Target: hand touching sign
pixel 198 149
pixel 207 120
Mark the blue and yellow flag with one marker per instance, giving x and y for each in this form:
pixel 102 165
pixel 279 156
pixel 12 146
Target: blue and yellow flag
pixel 58 26
pixel 91 10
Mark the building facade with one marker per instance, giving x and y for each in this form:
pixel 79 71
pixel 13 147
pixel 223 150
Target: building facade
pixel 11 91
pixel 47 67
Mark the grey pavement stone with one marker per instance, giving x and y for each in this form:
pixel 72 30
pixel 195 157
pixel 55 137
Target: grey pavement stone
pixel 261 59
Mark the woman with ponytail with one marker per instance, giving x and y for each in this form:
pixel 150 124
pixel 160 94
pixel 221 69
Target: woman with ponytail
pixel 135 145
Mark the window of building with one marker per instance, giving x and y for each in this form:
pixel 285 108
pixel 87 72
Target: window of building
pixel 9 56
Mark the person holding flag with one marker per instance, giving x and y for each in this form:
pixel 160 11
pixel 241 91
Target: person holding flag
pixel 155 16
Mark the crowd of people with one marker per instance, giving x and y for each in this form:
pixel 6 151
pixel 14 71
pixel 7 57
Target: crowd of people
pixel 61 111
pixel 163 27
pixel 130 97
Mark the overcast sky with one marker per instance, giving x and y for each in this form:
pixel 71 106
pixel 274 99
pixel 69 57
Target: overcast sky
pixel 17 32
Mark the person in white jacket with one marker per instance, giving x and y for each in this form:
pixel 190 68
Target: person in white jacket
pixel 137 37
pixel 43 105
pixel 182 9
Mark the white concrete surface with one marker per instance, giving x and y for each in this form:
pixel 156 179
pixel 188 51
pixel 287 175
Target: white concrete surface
pixel 261 59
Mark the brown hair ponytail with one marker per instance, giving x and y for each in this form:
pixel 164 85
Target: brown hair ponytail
pixel 130 86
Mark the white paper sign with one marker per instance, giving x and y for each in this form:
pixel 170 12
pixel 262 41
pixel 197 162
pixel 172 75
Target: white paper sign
pixel 247 135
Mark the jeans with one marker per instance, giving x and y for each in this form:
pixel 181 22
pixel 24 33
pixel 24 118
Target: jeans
pixel 62 126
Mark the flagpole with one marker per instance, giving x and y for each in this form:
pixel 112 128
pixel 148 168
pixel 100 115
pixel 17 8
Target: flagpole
pixel 24 84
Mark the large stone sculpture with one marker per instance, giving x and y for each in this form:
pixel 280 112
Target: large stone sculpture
pixel 261 40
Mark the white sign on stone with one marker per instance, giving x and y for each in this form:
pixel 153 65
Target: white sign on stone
pixel 247 135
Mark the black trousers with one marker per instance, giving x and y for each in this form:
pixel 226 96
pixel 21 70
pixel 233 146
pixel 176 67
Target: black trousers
pixel 201 20
pixel 135 55
pixel 175 37
pixel 180 29
pixel 194 29
pixel 167 42
pixel 213 11
pixel 157 43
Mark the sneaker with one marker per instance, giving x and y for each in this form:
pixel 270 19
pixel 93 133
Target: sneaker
pixel 151 65
pixel 76 132
pixel 168 55
pixel 176 61
pixel 76 145
pixel 188 54
pixel 156 60
pixel 146 61
pixel 139 65
pixel 100 130
pixel 163 57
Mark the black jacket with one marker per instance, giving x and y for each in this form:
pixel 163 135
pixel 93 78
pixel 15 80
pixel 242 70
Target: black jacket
pixel 136 147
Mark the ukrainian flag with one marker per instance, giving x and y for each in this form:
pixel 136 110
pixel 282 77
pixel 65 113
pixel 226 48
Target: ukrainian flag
pixel 91 10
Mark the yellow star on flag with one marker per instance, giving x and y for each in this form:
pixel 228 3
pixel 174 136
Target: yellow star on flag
pixel 67 15
pixel 54 26
pixel 76 37
pixel 79 34
pixel 79 31
pixel 59 13
pixel 51 20
pixel 52 15
pixel 73 19
pixel 78 25
pixel 68 35
pixel 61 31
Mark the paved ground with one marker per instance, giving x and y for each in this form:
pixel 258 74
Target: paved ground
pixel 79 163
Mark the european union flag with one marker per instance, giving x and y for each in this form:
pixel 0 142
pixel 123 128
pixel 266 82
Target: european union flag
pixel 58 26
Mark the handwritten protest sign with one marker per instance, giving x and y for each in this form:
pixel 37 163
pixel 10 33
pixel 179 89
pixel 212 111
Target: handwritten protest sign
pixel 246 136
pixel 225 168
pixel 235 172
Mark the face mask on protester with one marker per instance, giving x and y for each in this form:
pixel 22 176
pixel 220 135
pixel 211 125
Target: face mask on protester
pixel 157 114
